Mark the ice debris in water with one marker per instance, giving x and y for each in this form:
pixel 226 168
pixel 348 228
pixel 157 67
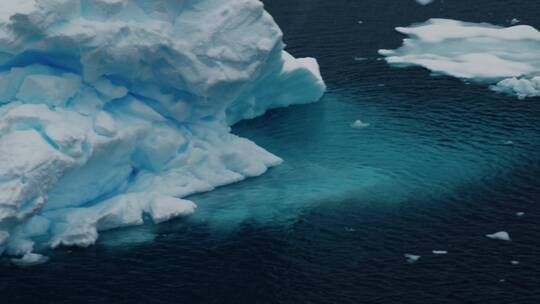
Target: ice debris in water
pixel 514 21
pixel 507 59
pixel 424 2
pixel 358 124
pixel 411 258
pixel 30 259
pixel 115 109
pixel 440 252
pixel 520 213
pixel 501 235
pixel 514 262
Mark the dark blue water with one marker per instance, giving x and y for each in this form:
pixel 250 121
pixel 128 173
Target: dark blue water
pixel 331 225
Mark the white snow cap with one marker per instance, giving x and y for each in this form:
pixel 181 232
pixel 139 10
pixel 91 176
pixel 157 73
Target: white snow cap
pixel 506 58
pixel 112 109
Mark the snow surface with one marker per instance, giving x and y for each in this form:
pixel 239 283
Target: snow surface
pixel 111 111
pixel 506 58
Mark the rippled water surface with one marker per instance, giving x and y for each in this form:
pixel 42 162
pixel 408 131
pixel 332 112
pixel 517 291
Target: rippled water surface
pixel 441 164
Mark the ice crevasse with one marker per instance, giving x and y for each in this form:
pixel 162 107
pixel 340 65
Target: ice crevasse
pixel 114 110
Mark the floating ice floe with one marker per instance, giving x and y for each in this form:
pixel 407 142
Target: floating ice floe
pixel 358 124
pixel 112 111
pixel 514 262
pixel 514 21
pixel 501 235
pixel 30 259
pixel 440 252
pixel 424 2
pixel 507 59
pixel 411 258
pixel 520 213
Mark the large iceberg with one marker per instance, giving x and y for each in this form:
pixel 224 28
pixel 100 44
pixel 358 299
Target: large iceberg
pixel 505 58
pixel 112 111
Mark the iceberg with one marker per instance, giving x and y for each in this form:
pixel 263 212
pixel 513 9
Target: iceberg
pixel 507 59
pixel 113 111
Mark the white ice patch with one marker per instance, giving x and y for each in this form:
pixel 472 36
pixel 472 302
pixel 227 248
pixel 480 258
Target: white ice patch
pixel 505 58
pixel 112 111
pixel 501 235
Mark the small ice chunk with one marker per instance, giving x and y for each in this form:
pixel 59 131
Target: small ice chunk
pixel 514 21
pixel 411 258
pixel 30 259
pixel 440 252
pixel 360 21
pixel 424 2
pixel 520 213
pixel 349 229
pixel 358 124
pixel 501 235
pixel 360 58
pixel 508 143
pixel 514 262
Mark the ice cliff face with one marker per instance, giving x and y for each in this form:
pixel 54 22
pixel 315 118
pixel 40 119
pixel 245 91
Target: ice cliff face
pixel 113 109
pixel 505 58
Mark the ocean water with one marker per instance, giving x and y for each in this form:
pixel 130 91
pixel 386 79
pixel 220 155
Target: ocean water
pixel 441 164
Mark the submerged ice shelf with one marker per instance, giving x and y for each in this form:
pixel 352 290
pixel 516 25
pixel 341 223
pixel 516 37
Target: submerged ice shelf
pixel 505 58
pixel 113 109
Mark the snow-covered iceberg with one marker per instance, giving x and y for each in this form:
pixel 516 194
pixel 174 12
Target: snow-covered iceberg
pixel 112 111
pixel 505 58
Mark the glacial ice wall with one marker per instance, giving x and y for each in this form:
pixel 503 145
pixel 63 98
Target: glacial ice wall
pixel 507 59
pixel 112 111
